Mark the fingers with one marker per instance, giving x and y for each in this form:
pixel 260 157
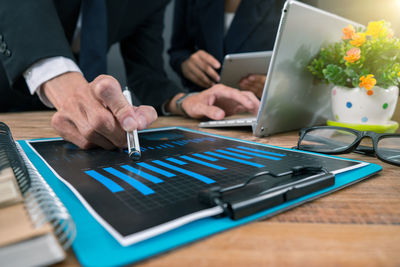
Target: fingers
pixel 208 58
pixel 148 113
pixel 192 71
pixel 258 78
pixel 254 80
pixel 246 99
pixel 70 93
pixel 254 83
pixel 208 64
pixel 255 101
pixel 200 69
pixel 201 105
pixel 212 112
pixel 92 114
pixel 202 109
pixel 239 109
pixel 92 122
pixel 69 131
pixel 108 91
pixel 104 126
pixel 219 101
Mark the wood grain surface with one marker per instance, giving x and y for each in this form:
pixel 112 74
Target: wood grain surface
pixel 356 226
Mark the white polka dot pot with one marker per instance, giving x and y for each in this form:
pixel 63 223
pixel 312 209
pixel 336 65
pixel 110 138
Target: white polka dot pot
pixel 354 105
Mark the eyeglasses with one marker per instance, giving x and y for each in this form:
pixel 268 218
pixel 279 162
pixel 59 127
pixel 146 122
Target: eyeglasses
pixel 339 140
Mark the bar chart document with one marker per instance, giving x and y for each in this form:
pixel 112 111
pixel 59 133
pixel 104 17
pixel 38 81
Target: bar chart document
pixel 135 200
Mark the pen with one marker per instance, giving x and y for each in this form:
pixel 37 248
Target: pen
pixel 132 137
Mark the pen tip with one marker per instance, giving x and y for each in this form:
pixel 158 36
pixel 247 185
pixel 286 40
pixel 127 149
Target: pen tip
pixel 135 155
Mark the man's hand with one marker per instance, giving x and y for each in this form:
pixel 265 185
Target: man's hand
pixel 96 113
pixel 200 68
pixel 253 83
pixel 217 102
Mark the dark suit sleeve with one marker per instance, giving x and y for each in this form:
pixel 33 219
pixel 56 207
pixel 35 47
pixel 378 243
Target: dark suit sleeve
pixel 182 45
pixel 142 54
pixel 31 30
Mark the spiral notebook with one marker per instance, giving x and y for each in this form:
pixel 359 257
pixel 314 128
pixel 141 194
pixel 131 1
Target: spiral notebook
pixel 35 227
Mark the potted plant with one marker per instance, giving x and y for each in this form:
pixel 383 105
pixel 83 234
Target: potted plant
pixel 364 68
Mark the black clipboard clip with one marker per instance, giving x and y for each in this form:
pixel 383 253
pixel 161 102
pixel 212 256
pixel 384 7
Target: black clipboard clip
pixel 238 201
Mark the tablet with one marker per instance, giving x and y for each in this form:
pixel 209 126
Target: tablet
pixel 240 65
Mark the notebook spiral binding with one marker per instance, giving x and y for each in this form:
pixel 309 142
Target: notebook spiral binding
pixel 41 202
pixel 9 158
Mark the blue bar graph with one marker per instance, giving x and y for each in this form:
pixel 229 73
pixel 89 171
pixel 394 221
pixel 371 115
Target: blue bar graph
pixel 203 163
pixel 143 174
pixel 181 142
pixel 177 161
pixel 177 143
pixel 142 188
pixel 262 151
pixel 233 154
pixel 205 157
pixel 189 173
pixel 110 184
pixel 157 147
pixel 235 159
pixel 254 154
pixel 155 169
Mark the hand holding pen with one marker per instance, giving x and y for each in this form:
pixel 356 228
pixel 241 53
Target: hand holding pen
pixel 94 114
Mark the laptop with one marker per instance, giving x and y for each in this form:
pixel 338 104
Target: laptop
pixel 239 65
pixel 290 99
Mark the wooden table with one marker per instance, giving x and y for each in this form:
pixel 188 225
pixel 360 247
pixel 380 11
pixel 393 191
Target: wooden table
pixel 357 226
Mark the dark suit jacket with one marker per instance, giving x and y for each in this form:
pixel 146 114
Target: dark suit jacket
pixel 199 24
pixel 34 30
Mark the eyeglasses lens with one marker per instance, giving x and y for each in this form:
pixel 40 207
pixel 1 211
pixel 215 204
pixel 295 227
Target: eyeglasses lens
pixel 327 140
pixel 388 148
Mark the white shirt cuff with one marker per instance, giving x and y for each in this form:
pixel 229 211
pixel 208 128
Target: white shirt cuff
pixel 47 69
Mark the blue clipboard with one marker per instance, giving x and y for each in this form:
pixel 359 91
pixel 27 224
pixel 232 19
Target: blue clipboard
pixel 95 246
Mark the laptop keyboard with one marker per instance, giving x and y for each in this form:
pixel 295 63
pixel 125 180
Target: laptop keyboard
pixel 228 123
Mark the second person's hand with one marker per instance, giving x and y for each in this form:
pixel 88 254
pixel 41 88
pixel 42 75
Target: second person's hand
pixel 254 83
pixel 217 102
pixel 200 69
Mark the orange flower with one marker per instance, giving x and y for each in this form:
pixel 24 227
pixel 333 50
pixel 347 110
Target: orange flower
pixel 367 82
pixel 353 55
pixel 358 39
pixel 348 32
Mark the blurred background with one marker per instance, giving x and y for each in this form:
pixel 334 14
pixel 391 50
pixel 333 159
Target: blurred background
pixel 361 11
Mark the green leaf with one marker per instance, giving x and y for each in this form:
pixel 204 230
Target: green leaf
pixel 335 74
